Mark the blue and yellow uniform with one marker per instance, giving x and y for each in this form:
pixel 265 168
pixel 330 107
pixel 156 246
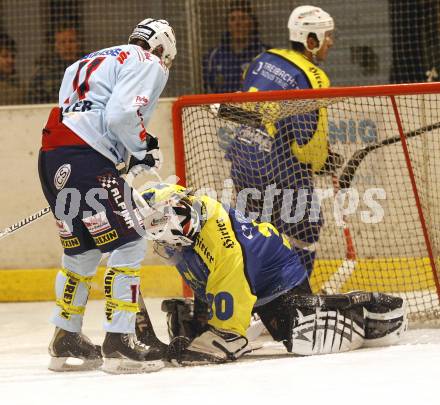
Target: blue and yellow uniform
pixel 299 144
pixel 235 265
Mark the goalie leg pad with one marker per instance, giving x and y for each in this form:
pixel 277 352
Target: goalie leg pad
pixel 278 315
pixel 386 320
pixel 212 346
pixel 326 331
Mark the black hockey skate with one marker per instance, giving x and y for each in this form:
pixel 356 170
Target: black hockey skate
pixel 124 354
pixel 146 335
pixel 71 345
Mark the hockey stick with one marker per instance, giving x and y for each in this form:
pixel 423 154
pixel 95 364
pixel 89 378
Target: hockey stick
pixel 352 165
pixel 129 178
pixel 144 328
pixel 23 222
pixel 344 272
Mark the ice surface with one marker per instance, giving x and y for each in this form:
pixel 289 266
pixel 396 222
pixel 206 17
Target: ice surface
pixel 405 374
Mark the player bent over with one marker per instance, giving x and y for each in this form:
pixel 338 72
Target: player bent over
pixel 106 100
pixel 236 267
pixel 299 147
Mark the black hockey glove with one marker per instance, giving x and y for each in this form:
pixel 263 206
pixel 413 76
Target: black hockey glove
pixel 152 160
pixel 185 317
pixel 333 163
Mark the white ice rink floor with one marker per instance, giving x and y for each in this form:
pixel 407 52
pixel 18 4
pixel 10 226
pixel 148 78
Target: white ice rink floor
pixel 405 374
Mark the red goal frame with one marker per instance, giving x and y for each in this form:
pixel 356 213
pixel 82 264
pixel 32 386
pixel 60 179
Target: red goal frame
pixel 362 91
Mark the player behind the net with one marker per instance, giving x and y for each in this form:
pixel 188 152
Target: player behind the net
pixel 297 143
pixel 238 267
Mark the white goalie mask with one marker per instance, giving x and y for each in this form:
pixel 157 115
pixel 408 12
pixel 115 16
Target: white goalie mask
pixel 305 20
pixel 157 33
pixel 169 216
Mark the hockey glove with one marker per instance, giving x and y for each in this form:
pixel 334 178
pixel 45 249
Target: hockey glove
pixel 212 346
pixel 184 318
pixel 152 160
pixel 333 163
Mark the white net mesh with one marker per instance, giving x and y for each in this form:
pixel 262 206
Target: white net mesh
pixel 376 41
pixel 383 247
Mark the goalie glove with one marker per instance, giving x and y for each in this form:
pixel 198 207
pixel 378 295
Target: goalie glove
pixel 152 160
pixel 184 318
pixel 212 346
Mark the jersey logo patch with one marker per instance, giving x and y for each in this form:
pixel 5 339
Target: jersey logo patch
pixel 97 223
pixel 122 57
pixel 62 175
pixel 63 228
pixel 141 101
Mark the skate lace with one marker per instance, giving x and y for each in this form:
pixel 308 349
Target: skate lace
pixel 134 343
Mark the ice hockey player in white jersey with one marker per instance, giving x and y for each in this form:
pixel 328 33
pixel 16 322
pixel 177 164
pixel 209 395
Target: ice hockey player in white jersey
pixel 105 102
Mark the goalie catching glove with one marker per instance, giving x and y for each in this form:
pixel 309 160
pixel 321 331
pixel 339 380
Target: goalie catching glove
pixel 152 160
pixel 212 346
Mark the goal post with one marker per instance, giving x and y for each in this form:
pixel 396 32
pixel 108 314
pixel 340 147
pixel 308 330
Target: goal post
pixel 380 210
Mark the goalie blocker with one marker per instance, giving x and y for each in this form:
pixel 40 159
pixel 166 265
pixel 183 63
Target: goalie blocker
pixel 306 324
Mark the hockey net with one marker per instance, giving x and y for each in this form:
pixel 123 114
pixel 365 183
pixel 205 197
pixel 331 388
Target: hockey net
pixel 382 234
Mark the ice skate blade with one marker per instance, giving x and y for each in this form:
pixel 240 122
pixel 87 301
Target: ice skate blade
pixel 127 366
pixel 61 364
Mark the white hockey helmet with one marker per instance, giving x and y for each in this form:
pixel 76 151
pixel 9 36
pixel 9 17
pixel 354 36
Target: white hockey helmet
pixel 171 219
pixel 157 33
pixel 305 20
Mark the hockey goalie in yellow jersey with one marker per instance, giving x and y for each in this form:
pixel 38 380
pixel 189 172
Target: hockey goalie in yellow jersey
pixel 240 267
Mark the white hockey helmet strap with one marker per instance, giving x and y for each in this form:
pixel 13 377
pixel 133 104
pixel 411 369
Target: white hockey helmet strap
pixel 305 20
pixel 157 33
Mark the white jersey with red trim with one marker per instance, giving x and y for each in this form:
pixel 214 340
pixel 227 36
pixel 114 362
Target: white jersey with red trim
pixel 108 97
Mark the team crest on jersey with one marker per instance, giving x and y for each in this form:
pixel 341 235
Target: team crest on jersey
pixel 62 175
pixel 97 223
pixel 247 232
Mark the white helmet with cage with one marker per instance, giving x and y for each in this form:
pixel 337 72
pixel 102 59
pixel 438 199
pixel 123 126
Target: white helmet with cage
pixel 169 216
pixel 305 20
pixel 157 33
